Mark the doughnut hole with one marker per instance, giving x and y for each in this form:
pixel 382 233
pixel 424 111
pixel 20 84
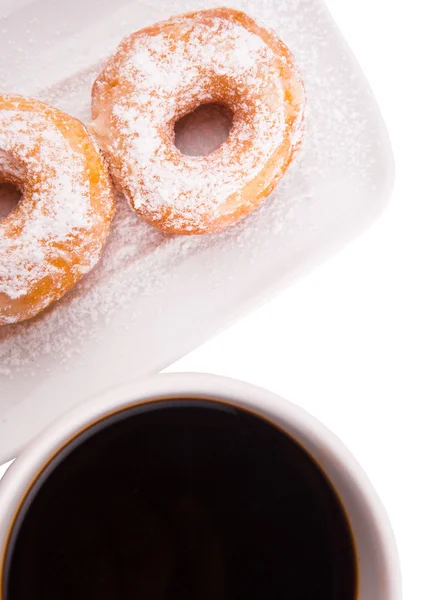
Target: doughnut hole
pixel 204 130
pixel 10 196
pixel 11 178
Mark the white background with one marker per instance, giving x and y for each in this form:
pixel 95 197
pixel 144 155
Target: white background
pixel 358 342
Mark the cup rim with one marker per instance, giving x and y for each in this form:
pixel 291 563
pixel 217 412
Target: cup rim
pixel 286 415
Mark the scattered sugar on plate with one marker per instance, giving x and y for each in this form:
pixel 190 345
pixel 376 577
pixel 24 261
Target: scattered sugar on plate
pixel 140 261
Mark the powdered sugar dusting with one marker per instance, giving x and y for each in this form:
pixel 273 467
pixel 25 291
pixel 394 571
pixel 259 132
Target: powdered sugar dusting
pixel 55 208
pixel 167 74
pixel 327 195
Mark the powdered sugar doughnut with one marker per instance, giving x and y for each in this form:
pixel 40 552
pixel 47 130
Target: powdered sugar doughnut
pixel 56 232
pixel 163 72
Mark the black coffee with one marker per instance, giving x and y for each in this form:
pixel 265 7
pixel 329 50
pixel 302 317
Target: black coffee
pixel 182 500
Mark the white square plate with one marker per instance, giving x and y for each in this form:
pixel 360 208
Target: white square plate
pixel 154 297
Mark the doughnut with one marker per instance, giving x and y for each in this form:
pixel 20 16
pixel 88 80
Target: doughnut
pixel 161 73
pixel 55 234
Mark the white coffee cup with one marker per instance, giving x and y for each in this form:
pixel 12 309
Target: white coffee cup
pixel 377 559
